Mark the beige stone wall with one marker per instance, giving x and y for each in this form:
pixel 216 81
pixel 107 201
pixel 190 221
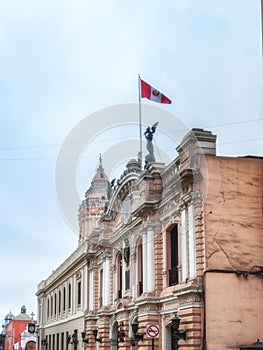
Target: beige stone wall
pixel 234 310
pixel 233 213
pixel 233 228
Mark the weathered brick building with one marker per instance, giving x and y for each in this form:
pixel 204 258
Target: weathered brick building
pixel 183 239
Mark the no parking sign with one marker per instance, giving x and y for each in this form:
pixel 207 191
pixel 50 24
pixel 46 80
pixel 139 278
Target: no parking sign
pixel 153 331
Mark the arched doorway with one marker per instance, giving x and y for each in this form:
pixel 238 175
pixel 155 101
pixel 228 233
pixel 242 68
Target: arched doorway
pixel 31 345
pixel 168 337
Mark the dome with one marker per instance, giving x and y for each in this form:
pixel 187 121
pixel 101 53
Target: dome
pixel 9 316
pixel 133 164
pixel 23 315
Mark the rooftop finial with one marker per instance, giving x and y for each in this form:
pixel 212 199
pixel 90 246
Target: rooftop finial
pixel 100 161
pixel 23 309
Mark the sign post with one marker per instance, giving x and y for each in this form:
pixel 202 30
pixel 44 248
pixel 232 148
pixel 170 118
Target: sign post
pixel 153 332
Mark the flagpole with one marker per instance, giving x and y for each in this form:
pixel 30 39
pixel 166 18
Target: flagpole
pixel 140 120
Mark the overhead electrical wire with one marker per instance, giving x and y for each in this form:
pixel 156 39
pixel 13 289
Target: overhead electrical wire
pixel 118 138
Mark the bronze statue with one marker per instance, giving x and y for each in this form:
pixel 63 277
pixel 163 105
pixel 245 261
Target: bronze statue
pixel 149 137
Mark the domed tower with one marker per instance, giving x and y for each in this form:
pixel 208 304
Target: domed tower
pixel 8 318
pixel 93 206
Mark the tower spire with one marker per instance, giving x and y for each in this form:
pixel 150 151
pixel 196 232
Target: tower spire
pixel 93 206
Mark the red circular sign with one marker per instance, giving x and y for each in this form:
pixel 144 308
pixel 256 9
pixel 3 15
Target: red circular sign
pixel 153 330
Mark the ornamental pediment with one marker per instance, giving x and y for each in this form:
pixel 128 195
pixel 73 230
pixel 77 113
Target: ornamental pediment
pixel 135 194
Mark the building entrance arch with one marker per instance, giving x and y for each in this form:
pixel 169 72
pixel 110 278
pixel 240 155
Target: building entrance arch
pixel 30 345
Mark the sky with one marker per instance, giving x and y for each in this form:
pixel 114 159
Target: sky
pixel 63 61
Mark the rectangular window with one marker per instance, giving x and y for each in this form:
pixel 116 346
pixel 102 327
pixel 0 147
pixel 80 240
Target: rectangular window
pixel 75 343
pixel 127 280
pixel 62 341
pixel 67 341
pixel 140 270
pixel 173 271
pixel 57 345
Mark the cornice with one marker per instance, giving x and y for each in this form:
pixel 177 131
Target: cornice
pixel 77 257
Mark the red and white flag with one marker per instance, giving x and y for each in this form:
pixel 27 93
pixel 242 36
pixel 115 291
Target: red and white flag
pixel 153 94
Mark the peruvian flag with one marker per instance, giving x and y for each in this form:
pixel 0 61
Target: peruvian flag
pixel 153 94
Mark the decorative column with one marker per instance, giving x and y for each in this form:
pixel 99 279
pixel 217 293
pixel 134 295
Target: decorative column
pixel 144 261
pixel 91 290
pixel 150 260
pixel 133 275
pixel 115 284
pixel 192 242
pixel 184 255
pixel 165 263
pixel 106 282
pixel 85 287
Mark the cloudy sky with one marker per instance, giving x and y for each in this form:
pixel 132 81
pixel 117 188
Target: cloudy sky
pixel 62 61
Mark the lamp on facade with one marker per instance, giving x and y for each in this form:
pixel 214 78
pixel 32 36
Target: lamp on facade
pixel 74 339
pixel 44 342
pixel 84 339
pixel 121 335
pixel 37 329
pixel 176 335
pixel 135 326
pixel 95 333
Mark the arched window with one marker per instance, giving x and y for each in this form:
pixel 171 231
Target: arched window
pixel 59 301
pixel 51 306
pixel 119 275
pixel 48 308
pixel 64 299
pixel 55 304
pixel 69 295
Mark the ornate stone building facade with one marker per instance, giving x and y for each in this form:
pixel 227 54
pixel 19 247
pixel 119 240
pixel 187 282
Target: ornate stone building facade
pixel 179 240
